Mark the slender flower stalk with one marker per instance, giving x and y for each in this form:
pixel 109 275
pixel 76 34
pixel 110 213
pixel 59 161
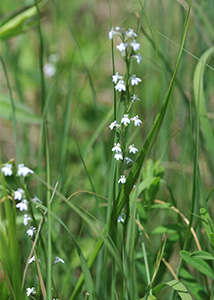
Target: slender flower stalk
pixel 125 84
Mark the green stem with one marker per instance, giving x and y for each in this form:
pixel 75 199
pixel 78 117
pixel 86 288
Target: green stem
pixel 49 256
pixel 41 54
pixel 12 112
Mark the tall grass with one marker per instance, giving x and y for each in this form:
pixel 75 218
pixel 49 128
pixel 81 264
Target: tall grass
pixel 57 124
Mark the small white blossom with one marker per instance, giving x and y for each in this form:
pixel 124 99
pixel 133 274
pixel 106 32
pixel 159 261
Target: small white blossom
pixel 31 291
pixel 120 86
pixel 130 33
pixel 31 231
pixel 111 34
pixel 49 70
pixel 22 205
pixel 122 179
pixel 120 219
pixel 134 80
pixel 116 77
pixel 128 160
pixel 23 171
pixel 132 149
pixel 135 45
pixel 117 28
pixel 135 98
pixel 26 219
pixel 19 194
pixel 138 57
pixel 7 170
pixel 117 148
pixel 125 120
pixel 122 47
pixel 118 156
pixel 136 120
pixel 58 259
pixel 31 259
pixel 114 125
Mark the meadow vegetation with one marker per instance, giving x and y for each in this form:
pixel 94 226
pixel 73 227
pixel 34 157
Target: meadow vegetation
pixel 107 150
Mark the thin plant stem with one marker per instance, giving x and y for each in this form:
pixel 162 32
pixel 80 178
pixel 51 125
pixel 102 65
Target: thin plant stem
pixel 49 249
pixel 12 112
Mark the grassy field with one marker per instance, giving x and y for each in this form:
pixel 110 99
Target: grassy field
pixel 116 194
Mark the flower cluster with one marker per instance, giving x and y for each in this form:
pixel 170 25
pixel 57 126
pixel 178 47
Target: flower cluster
pixel 7 170
pixel 127 47
pixel 21 197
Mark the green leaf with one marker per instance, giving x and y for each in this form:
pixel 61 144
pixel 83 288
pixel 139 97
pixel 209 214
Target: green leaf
pixel 151 297
pixel 193 286
pixel 23 113
pixel 208 225
pixel 198 264
pixel 20 21
pixel 170 228
pixel 203 255
pixel 198 88
pixel 177 286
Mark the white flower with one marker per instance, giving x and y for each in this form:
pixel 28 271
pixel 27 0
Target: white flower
pixel 118 156
pixel 117 148
pixel 138 57
pixel 135 45
pixel 132 149
pixel 122 47
pixel 120 219
pixel 26 219
pixel 31 231
pixel 122 179
pixel 136 120
pixel 125 120
pixel 22 205
pixel 49 70
pixel 111 33
pixel 128 160
pixel 114 125
pixel 58 259
pixel 31 259
pixel 116 77
pixel 120 86
pixel 131 33
pixel 117 28
pixel 134 80
pixel 19 194
pixel 23 171
pixel 135 98
pixel 31 291
pixel 7 170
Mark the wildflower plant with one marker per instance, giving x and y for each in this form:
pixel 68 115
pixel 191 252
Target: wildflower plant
pixel 115 250
pixel 124 85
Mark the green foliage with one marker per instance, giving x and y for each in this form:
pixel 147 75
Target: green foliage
pixel 20 22
pixel 150 238
pixel 198 263
pixel 178 287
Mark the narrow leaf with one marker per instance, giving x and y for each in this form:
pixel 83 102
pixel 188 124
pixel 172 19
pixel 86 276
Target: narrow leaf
pixel 198 264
